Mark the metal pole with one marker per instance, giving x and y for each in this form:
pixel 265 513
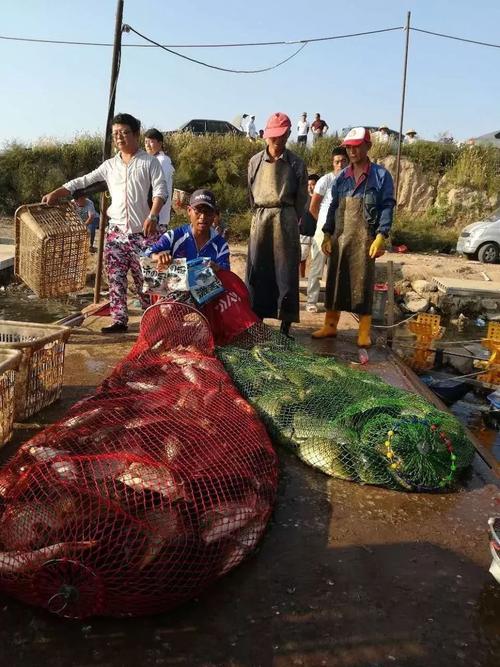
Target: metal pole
pixel 403 95
pixel 106 149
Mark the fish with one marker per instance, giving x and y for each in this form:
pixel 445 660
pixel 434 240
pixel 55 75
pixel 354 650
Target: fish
pixel 81 419
pixel 143 386
pixel 224 520
pixel 44 454
pixel 233 557
pixel 15 562
pixel 143 477
pixel 243 542
pixel 65 469
pixel 172 446
pixel 250 535
pixel 107 466
pixel 164 525
pixel 22 524
pixel 7 481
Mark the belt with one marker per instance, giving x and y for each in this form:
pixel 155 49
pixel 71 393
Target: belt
pixel 120 231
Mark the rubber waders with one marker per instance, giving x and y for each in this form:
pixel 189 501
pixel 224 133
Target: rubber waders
pixel 329 328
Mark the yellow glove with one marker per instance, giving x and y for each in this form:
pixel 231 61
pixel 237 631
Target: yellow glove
pixel 326 246
pixel 377 248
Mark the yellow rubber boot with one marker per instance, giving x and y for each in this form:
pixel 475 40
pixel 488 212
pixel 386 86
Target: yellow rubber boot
pixel 329 328
pixel 365 323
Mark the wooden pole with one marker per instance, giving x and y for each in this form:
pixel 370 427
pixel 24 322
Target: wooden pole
pixel 390 301
pixel 106 149
pixel 403 96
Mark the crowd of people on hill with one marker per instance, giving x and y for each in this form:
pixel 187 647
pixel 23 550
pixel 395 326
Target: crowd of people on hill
pixel 340 219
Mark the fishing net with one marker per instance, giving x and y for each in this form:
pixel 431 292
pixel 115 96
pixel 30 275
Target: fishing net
pixel 348 423
pixel 145 492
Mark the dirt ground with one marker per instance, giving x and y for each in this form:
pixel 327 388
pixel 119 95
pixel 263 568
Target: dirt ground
pixel 346 575
pixel 408 266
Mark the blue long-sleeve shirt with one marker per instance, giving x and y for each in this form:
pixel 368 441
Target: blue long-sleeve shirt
pixel 180 243
pixel 378 195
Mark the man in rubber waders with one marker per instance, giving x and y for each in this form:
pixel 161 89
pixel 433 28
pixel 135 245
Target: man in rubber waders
pixel 277 181
pixel 357 223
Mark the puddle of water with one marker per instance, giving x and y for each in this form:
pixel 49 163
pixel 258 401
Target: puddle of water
pixel 20 305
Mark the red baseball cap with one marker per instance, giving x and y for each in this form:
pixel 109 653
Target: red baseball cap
pixel 357 136
pixel 277 125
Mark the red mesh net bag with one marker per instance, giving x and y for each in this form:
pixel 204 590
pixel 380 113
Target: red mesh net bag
pixel 147 491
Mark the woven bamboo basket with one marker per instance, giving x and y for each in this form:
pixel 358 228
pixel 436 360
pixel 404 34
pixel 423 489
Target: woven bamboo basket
pixel 51 249
pixel 9 364
pixel 40 375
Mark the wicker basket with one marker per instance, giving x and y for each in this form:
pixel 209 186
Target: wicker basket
pixel 51 249
pixel 40 375
pixel 9 364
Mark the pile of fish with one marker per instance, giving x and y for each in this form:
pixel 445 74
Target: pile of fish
pixel 145 492
pixel 348 423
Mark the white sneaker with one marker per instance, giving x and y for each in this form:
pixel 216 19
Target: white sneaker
pixel 312 308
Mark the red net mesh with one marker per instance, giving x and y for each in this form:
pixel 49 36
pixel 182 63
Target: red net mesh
pixel 145 492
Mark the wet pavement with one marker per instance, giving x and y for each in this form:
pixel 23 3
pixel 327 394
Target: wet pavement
pixel 347 575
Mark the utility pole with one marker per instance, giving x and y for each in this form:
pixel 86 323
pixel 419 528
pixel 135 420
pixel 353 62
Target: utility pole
pixel 403 95
pixel 106 149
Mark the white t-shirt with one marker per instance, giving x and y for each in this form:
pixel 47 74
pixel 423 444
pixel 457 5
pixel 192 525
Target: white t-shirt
pixel 323 187
pixel 251 129
pixel 168 171
pixel 302 128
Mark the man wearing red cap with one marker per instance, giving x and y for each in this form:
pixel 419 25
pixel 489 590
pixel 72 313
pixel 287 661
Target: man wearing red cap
pixel 277 181
pixel 357 223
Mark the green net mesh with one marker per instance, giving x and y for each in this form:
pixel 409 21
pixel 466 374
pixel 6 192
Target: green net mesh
pixel 348 423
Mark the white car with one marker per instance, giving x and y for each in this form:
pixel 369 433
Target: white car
pixel 482 239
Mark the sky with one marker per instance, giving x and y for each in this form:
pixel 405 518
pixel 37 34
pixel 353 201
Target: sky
pixel 57 91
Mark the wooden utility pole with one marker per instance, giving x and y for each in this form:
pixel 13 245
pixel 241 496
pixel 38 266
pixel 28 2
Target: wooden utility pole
pixel 403 96
pixel 106 149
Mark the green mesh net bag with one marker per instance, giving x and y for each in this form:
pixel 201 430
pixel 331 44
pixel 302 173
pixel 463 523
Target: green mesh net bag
pixel 348 423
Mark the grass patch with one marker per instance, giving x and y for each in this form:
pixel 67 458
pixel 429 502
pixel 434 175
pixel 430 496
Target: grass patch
pixel 423 233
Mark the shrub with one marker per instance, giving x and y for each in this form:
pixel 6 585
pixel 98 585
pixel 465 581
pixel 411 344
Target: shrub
pixel 477 167
pixel 423 232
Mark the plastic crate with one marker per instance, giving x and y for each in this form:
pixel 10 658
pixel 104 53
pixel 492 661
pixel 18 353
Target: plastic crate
pixel 9 364
pixel 40 375
pixel 52 248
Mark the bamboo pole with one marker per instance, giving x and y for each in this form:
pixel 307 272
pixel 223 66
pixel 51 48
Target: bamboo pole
pixel 106 149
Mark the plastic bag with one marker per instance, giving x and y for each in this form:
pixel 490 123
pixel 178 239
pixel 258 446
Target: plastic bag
pixel 230 313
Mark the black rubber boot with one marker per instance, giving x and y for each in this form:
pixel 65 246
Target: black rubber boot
pixel 285 329
pixel 116 327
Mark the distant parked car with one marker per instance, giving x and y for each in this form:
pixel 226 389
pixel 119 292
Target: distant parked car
pixel 482 239
pixel 206 126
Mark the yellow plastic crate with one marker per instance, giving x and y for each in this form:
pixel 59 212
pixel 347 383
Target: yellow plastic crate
pixel 52 248
pixel 39 378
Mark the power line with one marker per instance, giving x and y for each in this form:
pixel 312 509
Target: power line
pixel 128 28
pixel 458 39
pixel 202 46
pixel 243 44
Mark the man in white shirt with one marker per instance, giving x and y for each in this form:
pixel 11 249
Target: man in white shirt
pixel 382 135
pixel 251 129
pixel 410 137
pixel 318 208
pixel 129 176
pixel 153 143
pixel 302 129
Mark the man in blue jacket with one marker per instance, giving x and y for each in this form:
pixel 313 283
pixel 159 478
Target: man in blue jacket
pixel 358 221
pixel 198 239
